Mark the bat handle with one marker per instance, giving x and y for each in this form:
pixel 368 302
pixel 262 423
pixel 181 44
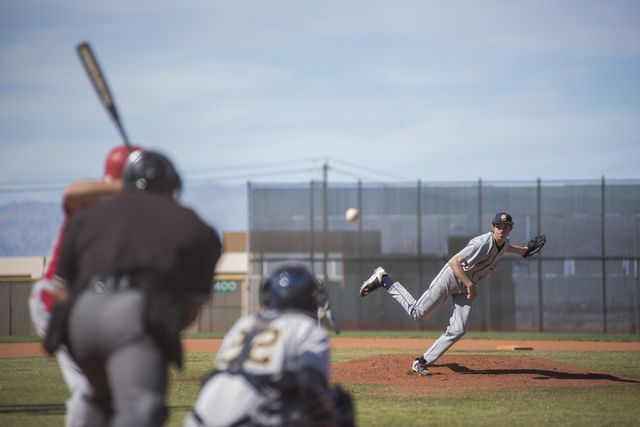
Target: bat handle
pixel 125 138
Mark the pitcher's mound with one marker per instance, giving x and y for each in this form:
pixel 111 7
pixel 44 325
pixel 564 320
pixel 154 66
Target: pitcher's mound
pixel 472 372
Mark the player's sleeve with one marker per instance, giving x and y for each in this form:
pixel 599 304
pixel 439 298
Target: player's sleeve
pixel 201 263
pixel 65 275
pixel 313 376
pixel 313 350
pixel 475 251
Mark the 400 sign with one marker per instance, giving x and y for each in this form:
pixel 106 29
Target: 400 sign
pixel 225 286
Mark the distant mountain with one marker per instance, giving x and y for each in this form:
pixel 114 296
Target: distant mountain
pixel 31 228
pixel 224 207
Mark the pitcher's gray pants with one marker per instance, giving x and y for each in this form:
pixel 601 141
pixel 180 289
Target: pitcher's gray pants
pixel 108 339
pixel 443 286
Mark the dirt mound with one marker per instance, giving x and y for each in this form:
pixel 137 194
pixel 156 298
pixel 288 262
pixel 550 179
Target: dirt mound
pixel 466 372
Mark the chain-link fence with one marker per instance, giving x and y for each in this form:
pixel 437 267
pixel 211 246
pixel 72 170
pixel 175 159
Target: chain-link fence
pixel 584 280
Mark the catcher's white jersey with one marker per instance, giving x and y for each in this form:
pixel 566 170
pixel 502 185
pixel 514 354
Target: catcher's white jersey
pixel 287 344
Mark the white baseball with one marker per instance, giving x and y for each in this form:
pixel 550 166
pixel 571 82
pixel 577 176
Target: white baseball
pixel 352 214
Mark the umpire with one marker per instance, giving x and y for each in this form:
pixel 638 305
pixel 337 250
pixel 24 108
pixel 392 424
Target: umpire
pixel 138 269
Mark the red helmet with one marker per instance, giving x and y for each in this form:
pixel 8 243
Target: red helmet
pixel 115 162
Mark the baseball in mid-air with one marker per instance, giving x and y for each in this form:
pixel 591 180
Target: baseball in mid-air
pixel 352 214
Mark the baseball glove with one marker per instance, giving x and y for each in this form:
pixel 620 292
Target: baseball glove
pixel 534 245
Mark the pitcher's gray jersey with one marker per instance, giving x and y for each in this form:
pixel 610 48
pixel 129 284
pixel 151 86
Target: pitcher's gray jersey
pixel 482 256
pixel 289 343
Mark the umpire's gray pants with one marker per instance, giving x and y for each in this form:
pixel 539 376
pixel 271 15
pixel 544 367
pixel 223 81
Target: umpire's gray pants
pixel 444 285
pixel 109 341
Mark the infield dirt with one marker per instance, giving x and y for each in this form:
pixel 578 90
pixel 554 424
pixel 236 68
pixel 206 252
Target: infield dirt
pixel 463 373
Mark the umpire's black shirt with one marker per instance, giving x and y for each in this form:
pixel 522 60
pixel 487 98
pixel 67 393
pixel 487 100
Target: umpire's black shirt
pixel 147 236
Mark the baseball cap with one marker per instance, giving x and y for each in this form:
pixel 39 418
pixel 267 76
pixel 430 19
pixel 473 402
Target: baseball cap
pixel 503 217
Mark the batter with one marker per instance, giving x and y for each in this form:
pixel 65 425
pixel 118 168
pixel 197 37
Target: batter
pixel 42 297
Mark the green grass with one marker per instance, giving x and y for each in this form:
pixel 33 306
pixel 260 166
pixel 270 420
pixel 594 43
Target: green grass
pixel 32 393
pixel 593 406
pixel 616 362
pixel 540 336
pixel 19 338
pixel 197 335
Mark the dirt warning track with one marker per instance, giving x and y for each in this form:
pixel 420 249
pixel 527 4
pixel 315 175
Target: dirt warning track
pixel 418 344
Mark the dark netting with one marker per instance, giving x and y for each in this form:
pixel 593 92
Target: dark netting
pixel 585 279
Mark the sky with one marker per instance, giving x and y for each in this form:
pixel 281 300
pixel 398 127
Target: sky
pixel 271 90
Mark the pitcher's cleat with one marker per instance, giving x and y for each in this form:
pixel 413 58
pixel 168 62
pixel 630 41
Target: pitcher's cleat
pixel 373 282
pixel 420 366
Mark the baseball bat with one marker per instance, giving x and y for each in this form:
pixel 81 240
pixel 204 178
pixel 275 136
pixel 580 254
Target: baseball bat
pixel 100 84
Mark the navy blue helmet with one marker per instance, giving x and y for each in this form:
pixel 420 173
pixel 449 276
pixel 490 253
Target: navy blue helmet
pixel 290 285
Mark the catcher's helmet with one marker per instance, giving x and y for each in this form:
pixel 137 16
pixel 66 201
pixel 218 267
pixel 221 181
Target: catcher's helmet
pixel 290 286
pixel 115 162
pixel 150 171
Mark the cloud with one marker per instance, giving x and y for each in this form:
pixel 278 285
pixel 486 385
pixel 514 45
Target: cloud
pixel 418 88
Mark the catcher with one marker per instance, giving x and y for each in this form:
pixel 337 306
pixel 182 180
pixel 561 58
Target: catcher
pixel 458 278
pixel 273 367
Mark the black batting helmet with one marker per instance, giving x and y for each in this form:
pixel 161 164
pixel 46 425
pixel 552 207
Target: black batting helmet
pixel 150 171
pixel 290 286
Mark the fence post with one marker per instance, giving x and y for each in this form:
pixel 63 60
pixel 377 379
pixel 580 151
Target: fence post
pixel 540 303
pixel 311 229
pixel 10 308
pixel 635 271
pixel 246 291
pixel 486 284
pixel 325 223
pixel 360 248
pixel 419 209
pixel 604 273
pixel 479 206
